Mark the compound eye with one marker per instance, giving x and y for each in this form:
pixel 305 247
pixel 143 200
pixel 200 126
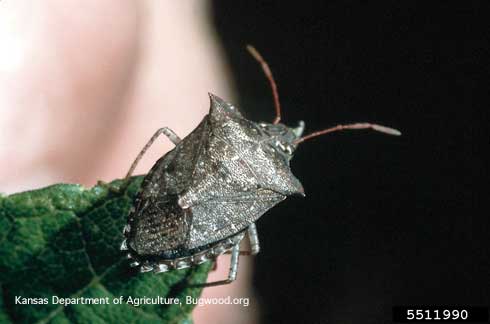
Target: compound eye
pixel 286 148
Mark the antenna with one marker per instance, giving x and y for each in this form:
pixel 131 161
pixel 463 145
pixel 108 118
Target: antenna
pixel 268 74
pixel 378 128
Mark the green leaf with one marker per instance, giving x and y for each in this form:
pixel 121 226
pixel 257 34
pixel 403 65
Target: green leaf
pixel 64 241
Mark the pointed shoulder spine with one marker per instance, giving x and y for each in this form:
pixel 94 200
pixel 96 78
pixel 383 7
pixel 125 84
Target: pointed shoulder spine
pixel 221 110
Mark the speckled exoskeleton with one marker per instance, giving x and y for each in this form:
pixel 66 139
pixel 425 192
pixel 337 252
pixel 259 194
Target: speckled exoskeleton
pixel 203 197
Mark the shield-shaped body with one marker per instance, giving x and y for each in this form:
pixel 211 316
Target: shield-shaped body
pixel 209 189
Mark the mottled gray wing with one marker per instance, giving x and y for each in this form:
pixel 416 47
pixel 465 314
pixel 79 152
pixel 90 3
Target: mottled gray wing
pixel 219 218
pixel 237 178
pixel 158 223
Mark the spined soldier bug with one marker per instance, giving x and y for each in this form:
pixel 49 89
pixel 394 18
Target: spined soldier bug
pixel 203 197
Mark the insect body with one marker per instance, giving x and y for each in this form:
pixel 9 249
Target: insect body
pixel 203 197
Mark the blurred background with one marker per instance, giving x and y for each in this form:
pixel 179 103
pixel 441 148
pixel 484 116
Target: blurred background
pixel 386 221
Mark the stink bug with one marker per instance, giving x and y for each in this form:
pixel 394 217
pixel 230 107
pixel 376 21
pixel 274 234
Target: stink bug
pixel 203 197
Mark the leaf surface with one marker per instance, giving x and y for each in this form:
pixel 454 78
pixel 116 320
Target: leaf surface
pixel 64 241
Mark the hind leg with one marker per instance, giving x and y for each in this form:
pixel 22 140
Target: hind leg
pixel 253 238
pixel 232 273
pixel 167 132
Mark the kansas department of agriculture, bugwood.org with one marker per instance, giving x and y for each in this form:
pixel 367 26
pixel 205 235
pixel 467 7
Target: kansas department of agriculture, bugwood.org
pixel 135 301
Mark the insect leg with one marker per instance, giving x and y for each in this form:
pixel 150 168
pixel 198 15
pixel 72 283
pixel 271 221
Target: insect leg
pixel 235 254
pixel 253 237
pixel 167 132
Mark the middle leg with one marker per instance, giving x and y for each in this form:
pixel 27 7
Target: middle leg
pixel 253 238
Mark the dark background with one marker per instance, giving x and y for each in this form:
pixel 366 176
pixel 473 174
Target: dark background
pixel 386 220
